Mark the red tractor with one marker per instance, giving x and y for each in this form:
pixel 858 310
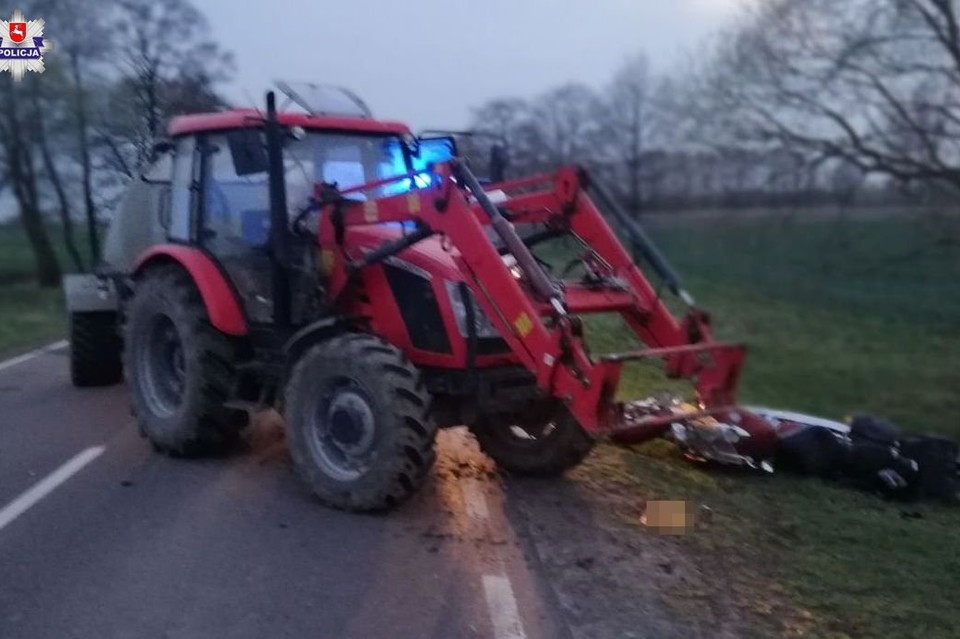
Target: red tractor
pixel 365 283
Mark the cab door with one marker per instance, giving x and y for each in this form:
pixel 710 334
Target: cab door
pixel 179 218
pixel 234 218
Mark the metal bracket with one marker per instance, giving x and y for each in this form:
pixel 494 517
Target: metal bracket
pixel 90 293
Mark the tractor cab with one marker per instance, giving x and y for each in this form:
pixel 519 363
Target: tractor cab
pixel 213 178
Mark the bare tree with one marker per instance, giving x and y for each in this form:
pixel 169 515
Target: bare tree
pixel 84 51
pixel 501 117
pixel 566 119
pixel 19 165
pixel 46 105
pixel 629 123
pixel 153 59
pixel 558 127
pixel 875 83
pixel 88 121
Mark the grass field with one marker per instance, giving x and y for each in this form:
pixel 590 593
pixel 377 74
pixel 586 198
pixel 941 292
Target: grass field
pixel 29 316
pixel 16 258
pixel 840 317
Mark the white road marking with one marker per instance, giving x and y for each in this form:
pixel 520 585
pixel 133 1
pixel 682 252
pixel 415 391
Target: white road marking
pixel 485 522
pixel 503 608
pixel 474 500
pixel 47 485
pixel 26 357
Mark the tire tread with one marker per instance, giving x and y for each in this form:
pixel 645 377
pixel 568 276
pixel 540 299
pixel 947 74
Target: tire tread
pixel 411 453
pixel 95 349
pixel 211 426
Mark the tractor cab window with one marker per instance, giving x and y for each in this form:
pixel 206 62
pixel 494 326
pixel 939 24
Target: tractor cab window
pixel 236 219
pixel 181 190
pixel 236 196
pixel 345 160
pixel 236 202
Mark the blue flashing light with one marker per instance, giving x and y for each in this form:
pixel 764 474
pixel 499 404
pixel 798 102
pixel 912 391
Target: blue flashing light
pixel 432 151
pixel 423 180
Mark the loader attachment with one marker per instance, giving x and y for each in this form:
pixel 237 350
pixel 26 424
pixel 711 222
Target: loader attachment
pixel 538 314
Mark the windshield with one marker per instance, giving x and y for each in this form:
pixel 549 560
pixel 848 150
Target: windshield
pixel 347 160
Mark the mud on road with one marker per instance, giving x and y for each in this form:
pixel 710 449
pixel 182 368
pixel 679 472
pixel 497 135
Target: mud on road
pixel 588 569
pixel 604 573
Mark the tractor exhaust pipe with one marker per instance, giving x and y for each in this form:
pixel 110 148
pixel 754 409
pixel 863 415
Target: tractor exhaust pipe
pixel 279 231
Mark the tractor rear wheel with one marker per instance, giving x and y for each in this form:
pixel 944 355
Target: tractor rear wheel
pixel 358 423
pixel 180 368
pixel 95 349
pixel 537 445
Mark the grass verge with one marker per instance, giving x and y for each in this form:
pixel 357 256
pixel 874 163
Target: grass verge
pixel 29 316
pixel 835 325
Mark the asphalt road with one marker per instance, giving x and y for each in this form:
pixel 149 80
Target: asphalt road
pixel 101 537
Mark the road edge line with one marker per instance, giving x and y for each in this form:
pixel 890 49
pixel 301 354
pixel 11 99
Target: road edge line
pixel 30 497
pixel 26 357
pixel 502 606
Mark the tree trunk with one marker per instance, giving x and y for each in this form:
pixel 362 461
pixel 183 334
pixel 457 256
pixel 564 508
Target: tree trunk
pixel 636 152
pixel 45 259
pixel 53 175
pixel 23 180
pixel 89 206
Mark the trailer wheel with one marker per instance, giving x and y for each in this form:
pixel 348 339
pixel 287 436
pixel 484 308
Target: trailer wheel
pixel 180 369
pixel 95 349
pixel 539 447
pixel 358 423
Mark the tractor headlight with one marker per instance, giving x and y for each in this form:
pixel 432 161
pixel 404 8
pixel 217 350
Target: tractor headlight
pixel 460 297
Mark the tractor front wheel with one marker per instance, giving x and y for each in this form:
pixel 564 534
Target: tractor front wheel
pixel 534 445
pixel 358 423
pixel 180 369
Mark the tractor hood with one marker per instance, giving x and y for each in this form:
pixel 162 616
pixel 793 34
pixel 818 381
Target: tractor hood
pixel 429 255
pixel 425 282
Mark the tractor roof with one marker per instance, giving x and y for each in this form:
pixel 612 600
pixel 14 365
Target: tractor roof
pixel 250 118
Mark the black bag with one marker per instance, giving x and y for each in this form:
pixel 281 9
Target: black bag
pixel 874 429
pixel 812 450
pixel 936 477
pixel 878 467
pixel 866 457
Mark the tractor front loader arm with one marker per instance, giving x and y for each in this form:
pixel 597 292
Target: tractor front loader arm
pixel 537 316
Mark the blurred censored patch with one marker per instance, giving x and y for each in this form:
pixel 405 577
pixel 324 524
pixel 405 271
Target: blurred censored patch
pixel 669 517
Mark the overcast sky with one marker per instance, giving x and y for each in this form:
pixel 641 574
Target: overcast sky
pixel 427 62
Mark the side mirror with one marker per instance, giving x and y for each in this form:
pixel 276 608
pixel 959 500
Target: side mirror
pixel 160 169
pixel 161 147
pixel 248 151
